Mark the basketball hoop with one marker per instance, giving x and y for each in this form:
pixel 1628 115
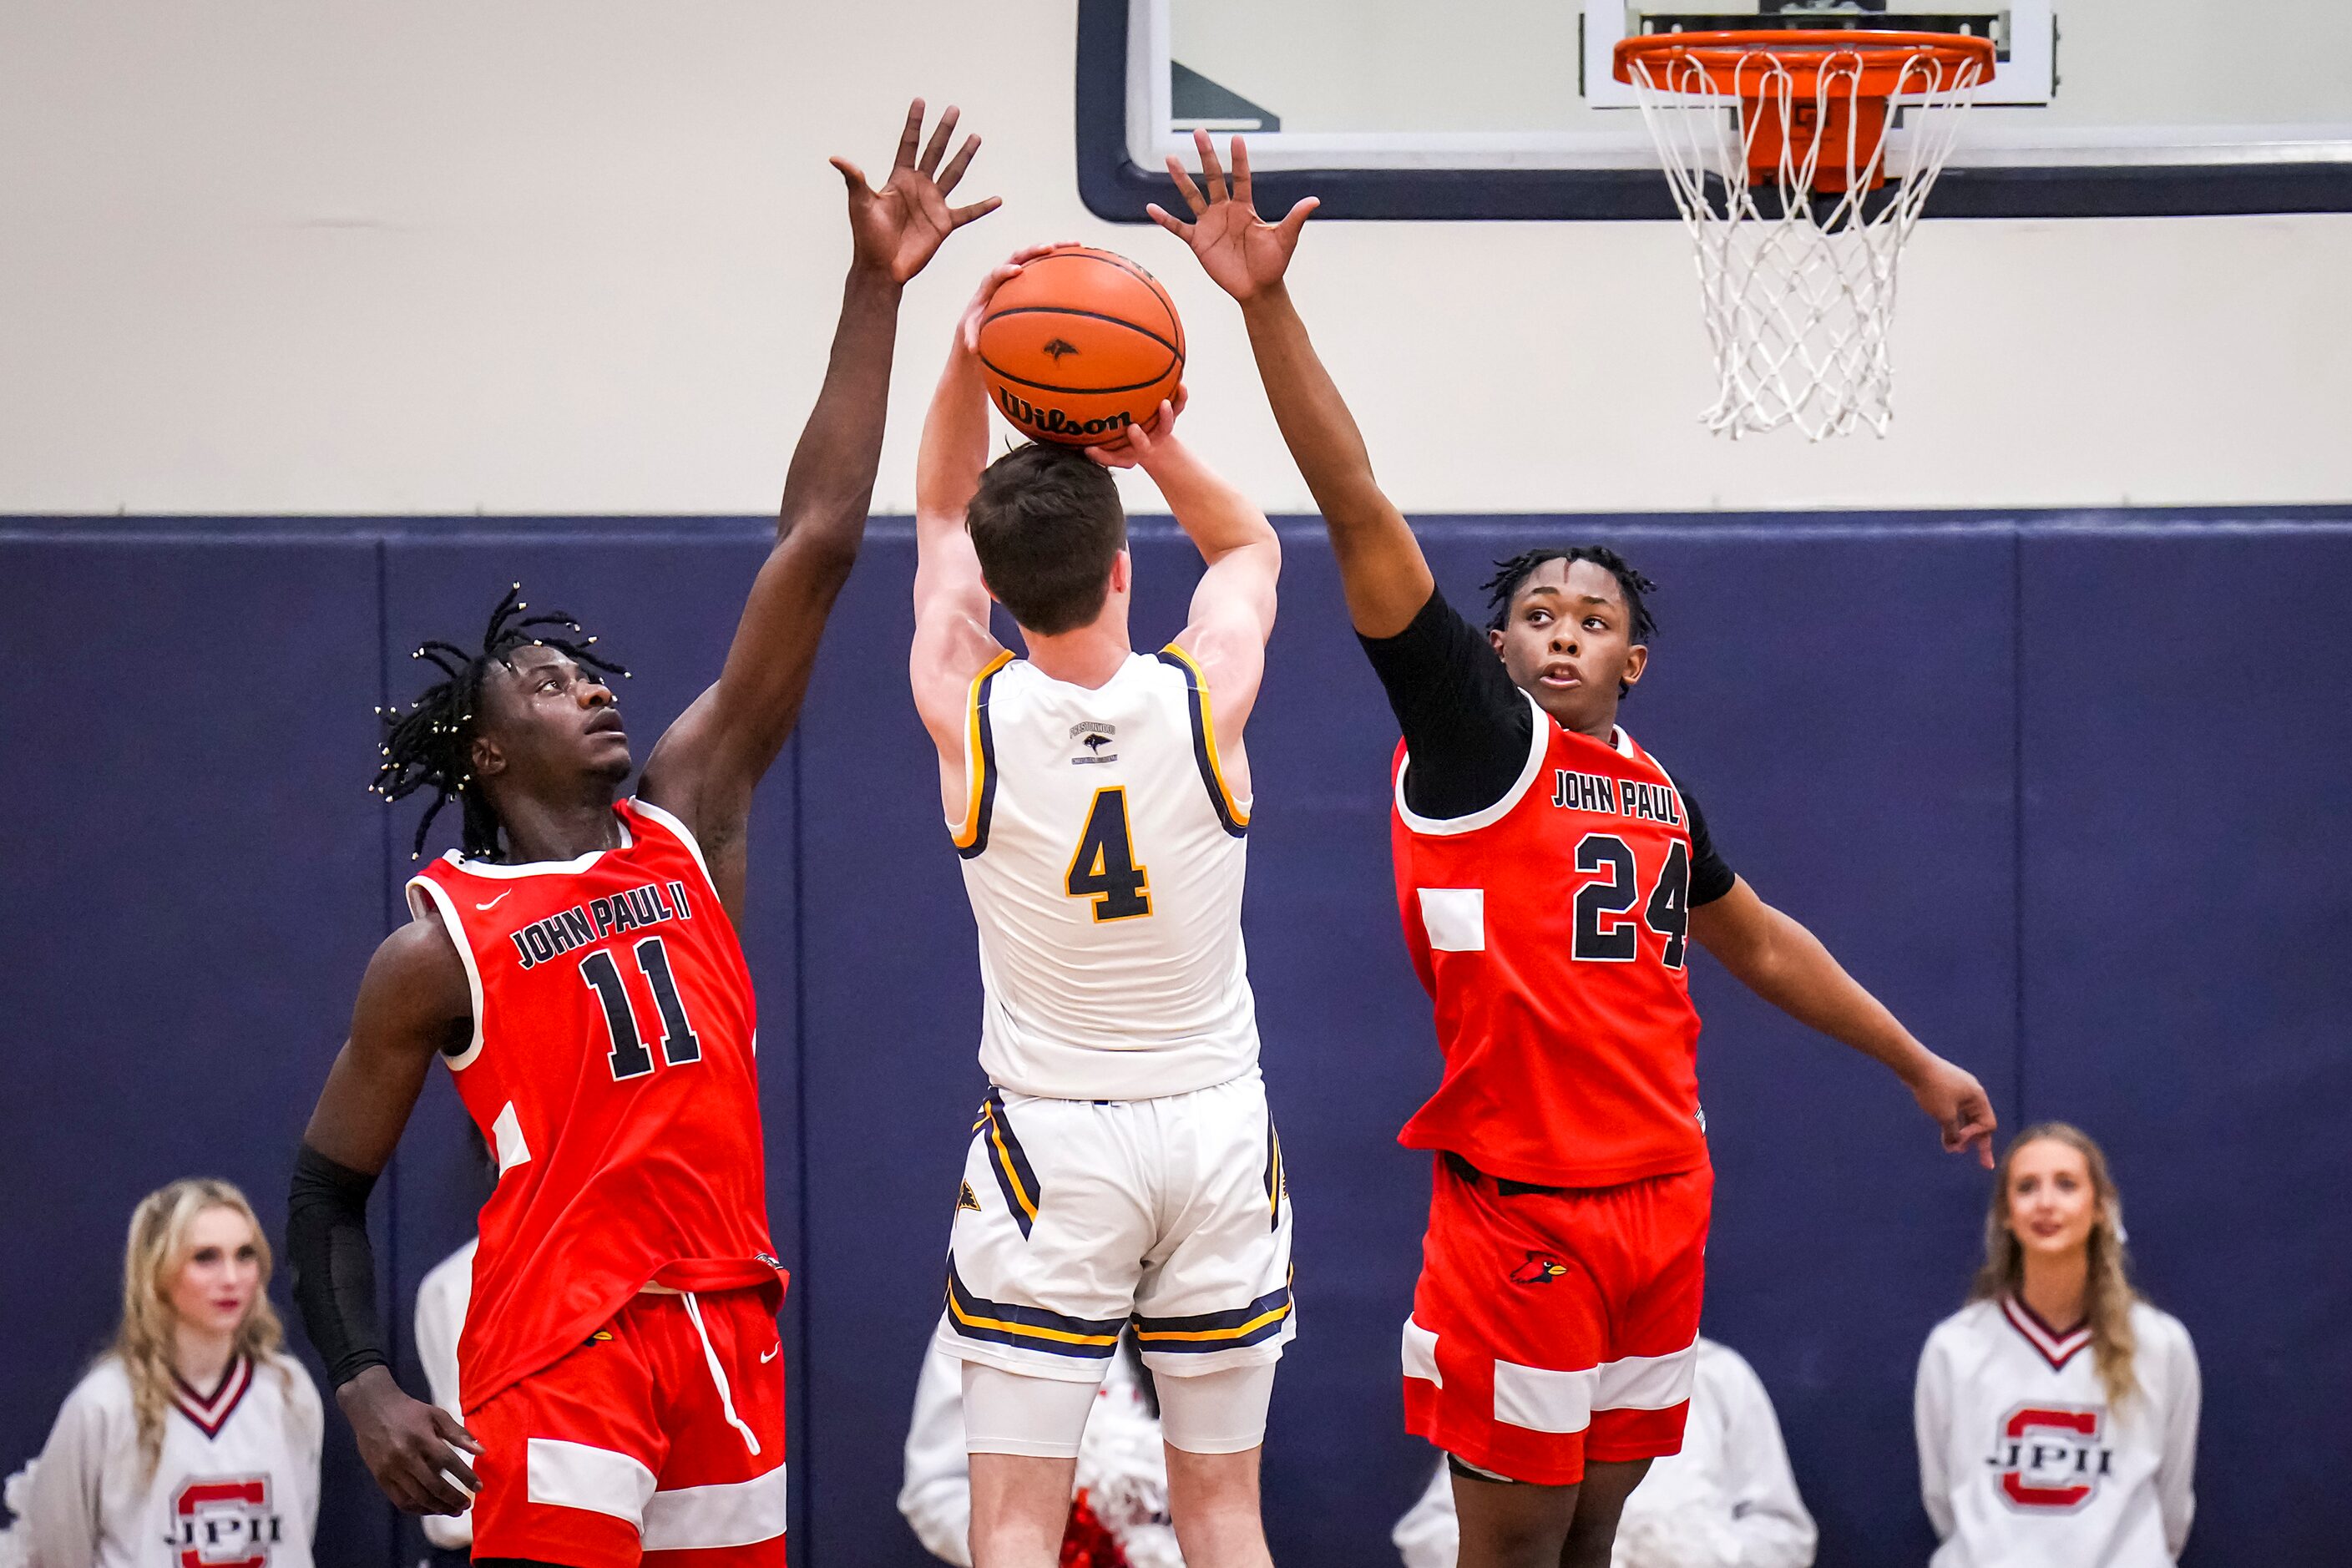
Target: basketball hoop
pixel 1775 147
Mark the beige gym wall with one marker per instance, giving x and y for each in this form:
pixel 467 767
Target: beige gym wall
pixel 584 258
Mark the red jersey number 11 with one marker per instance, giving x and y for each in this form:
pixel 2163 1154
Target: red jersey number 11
pixel 629 1057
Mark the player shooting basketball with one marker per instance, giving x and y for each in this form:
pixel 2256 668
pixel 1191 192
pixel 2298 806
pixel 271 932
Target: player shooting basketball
pixel 1125 1164
pixel 1550 875
pixel 576 966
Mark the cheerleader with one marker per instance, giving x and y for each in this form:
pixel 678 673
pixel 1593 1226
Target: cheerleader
pixel 2057 1411
pixel 192 1439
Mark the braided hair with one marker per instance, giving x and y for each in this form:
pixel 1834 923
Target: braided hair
pixel 428 745
pixel 1630 582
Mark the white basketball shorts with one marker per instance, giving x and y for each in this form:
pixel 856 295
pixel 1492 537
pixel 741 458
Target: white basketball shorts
pixel 1078 1216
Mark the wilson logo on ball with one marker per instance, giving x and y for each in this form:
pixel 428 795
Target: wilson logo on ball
pixel 1054 424
pixel 1080 346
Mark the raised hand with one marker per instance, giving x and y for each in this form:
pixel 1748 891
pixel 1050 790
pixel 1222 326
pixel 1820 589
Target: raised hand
pixel 1142 443
pixel 1245 255
pixel 899 229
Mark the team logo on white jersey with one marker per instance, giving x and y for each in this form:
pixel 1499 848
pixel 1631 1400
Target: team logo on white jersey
pixel 224 1521
pixel 2051 1458
pixel 1094 742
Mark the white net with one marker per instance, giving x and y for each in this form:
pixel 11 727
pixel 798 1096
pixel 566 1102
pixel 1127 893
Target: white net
pixel 1797 272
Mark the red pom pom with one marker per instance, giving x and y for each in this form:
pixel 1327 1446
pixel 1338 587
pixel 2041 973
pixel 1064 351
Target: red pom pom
pixel 1088 1543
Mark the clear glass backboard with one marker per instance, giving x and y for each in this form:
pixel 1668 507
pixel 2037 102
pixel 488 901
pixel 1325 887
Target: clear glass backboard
pixel 1506 109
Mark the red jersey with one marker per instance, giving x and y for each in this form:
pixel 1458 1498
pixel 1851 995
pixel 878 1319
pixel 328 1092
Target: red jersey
pixel 1550 930
pixel 610 1072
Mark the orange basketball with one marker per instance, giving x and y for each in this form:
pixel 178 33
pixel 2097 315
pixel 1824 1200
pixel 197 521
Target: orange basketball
pixel 1081 345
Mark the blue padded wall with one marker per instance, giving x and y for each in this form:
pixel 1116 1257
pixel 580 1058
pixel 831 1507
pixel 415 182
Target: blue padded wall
pixel 2067 792
pixel 2188 897
pixel 196 880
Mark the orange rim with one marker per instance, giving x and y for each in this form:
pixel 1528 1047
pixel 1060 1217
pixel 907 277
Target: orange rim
pixel 1861 62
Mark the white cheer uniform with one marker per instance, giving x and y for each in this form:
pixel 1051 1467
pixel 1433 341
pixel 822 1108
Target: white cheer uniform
pixel 442 1297
pixel 1124 1164
pixel 1726 1500
pixel 1121 1466
pixel 2024 1464
pixel 236 1485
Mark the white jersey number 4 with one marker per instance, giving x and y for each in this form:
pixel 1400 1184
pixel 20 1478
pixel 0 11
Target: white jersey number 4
pixel 1104 867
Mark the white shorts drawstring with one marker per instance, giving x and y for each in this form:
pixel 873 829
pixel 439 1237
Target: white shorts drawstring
pixel 718 1373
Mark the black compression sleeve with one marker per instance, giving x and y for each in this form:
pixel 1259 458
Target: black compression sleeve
pixel 333 1265
pixel 1466 727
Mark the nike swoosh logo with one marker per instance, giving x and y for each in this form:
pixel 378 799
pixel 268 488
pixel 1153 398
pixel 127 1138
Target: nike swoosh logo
pixel 773 1354
pixel 494 903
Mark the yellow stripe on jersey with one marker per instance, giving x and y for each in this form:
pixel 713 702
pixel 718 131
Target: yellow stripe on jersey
pixel 1026 1330
pixel 1159 1336
pixel 1217 1331
pixel 1273 1177
pixel 975 762
pixel 1034 1328
pixel 1014 1186
pixel 1209 735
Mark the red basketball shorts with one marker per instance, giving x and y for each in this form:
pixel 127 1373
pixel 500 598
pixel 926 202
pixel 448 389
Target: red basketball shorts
pixel 1551 1325
pixel 660 1441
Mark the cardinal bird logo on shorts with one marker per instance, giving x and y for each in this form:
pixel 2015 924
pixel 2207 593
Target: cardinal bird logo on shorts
pixel 1057 348
pixel 1540 1269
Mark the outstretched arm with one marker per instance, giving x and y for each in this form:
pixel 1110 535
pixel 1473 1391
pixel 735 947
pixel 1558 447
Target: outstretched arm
pixel 413 1003
pixel 953 639
pixel 1380 565
pixel 1774 956
pixel 1233 603
pixel 705 767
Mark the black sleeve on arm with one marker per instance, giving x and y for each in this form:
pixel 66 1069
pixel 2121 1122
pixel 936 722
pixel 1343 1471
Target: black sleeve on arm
pixel 334 1267
pixel 1466 727
pixel 1710 879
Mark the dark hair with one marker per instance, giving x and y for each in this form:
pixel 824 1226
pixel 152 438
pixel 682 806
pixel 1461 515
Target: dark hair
pixel 1047 524
pixel 429 743
pixel 1504 585
pixel 1509 574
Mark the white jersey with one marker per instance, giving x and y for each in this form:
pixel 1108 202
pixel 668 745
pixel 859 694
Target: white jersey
pixel 2023 1462
pixel 236 1485
pixel 442 1297
pixel 1105 857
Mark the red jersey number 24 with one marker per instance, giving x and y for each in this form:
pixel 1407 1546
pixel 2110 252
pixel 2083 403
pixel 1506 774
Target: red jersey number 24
pixel 1605 929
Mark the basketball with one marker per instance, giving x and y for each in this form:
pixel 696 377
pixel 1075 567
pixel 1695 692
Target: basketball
pixel 1081 345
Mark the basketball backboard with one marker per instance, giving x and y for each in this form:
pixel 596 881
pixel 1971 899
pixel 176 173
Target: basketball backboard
pixel 1408 109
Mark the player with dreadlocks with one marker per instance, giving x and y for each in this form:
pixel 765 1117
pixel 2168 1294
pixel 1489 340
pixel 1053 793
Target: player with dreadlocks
pixel 575 964
pixel 429 745
pixel 1551 875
